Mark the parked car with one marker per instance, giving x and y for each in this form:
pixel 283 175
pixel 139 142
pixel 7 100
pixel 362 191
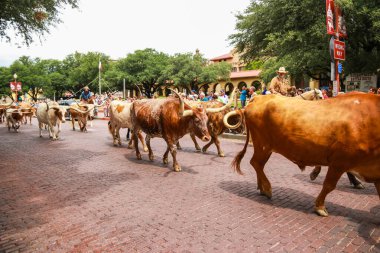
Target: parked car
pixel 66 104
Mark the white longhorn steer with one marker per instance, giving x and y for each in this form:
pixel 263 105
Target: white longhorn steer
pixel 120 117
pixel 52 115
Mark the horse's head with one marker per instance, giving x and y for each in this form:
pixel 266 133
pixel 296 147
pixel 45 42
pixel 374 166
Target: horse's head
pixel 314 94
pixel 318 94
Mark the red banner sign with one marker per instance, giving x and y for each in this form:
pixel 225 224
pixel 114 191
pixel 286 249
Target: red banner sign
pixel 15 86
pixel 341 23
pixel 330 17
pixel 339 50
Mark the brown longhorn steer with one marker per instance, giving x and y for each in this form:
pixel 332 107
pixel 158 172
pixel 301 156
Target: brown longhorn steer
pixel 28 111
pixel 342 133
pixel 80 112
pixel 14 118
pixel 215 124
pixel 168 119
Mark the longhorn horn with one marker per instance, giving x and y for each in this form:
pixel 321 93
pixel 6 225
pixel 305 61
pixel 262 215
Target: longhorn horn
pixel 78 110
pixel 182 112
pixel 228 105
pixel 225 120
pixel 55 107
pixel 181 104
pixel 7 104
pixel 100 104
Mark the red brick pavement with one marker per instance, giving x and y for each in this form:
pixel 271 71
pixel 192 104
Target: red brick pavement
pixel 81 194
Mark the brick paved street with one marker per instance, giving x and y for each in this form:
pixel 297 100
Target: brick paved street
pixel 81 194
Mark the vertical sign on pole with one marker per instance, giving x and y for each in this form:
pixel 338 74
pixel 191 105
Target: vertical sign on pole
pixel 338 29
pixel 330 17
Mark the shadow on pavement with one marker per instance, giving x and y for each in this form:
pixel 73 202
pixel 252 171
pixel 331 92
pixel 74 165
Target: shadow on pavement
pixel 367 221
pixel 345 187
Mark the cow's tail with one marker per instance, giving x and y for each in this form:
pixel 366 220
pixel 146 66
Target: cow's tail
pixel 236 162
pixel 110 128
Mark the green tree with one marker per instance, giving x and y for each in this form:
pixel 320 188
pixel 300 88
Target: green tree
pixel 83 69
pixel 144 67
pixel 189 70
pixel 292 33
pixel 29 17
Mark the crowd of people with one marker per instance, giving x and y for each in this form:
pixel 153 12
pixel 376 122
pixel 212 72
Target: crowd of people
pixel 279 85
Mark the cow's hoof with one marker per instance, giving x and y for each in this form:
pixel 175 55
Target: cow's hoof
pixel 204 150
pixel 130 146
pixel 165 160
pixel 138 157
pixel 221 154
pixel 177 168
pixel 313 175
pixel 145 149
pixel 115 144
pixel 322 211
pixel 268 194
pixel 54 139
pixel 359 186
pixel 151 157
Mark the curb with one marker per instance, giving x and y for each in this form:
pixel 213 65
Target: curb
pixel 234 136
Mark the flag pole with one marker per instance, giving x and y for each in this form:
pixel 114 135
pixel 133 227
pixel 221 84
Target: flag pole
pixel 100 86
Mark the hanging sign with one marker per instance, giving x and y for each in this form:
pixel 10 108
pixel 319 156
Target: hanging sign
pixel 330 17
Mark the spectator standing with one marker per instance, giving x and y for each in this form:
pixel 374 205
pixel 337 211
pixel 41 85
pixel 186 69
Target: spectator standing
pixel 223 97
pixel 210 95
pixel 243 96
pixel 324 94
pixel 252 92
pixel 202 97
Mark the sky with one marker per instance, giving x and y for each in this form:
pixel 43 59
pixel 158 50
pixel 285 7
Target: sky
pixel 117 28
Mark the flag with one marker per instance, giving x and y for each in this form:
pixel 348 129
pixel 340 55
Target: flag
pixel 100 65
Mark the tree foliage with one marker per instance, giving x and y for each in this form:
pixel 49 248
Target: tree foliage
pixel 24 18
pixel 144 67
pixel 292 33
pixel 189 70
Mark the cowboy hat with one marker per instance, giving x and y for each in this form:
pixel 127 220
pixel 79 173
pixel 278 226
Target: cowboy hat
pixel 282 70
pixel 86 88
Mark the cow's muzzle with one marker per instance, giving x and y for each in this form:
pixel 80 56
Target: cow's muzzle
pixel 206 138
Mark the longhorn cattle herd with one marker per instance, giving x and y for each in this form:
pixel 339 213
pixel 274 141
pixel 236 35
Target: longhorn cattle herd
pixel 342 133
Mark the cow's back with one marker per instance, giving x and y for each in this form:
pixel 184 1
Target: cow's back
pixel 120 113
pixel 153 116
pixel 343 131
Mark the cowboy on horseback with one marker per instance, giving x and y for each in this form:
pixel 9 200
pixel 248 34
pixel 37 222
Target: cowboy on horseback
pixel 280 84
pixel 86 95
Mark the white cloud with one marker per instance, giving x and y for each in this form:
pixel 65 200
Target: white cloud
pixel 117 27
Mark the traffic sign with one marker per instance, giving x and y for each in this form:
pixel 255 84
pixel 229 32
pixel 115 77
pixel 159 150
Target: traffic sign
pixel 340 68
pixel 339 50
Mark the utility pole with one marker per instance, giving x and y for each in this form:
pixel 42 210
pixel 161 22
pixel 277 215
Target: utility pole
pixel 100 85
pixel 124 88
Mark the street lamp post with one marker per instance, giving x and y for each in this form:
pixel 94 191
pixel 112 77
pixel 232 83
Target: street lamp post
pixel 15 77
